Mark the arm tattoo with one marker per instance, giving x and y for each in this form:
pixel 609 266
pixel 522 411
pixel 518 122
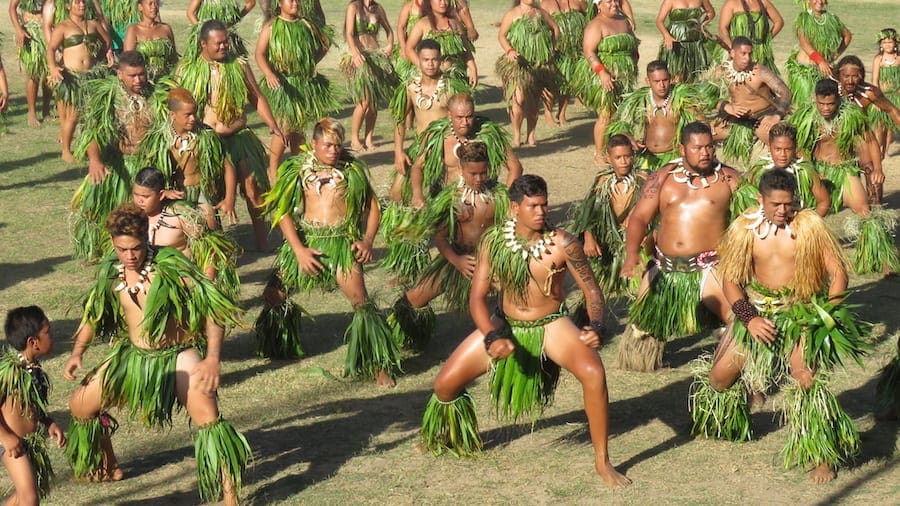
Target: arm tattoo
pixel 651 187
pixel 581 268
pixel 778 87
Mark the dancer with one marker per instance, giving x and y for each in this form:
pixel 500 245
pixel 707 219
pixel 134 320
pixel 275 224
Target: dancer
pixel 680 284
pixel 25 16
pixel 153 39
pixel 752 98
pixel 653 117
pixel 823 38
pixel 685 47
pixel 80 42
pixel 832 132
pixel 779 268
pixel 529 339
pixel 528 38
pixel 24 387
pixel 570 17
pixel 886 75
pixel 440 23
pixel 227 12
pixel 328 191
pixel 117 115
pixel 456 218
pixel 757 20
pixel 166 307
pixel 783 154
pixel 287 52
pixel 608 69
pixel 223 86
pixel 367 67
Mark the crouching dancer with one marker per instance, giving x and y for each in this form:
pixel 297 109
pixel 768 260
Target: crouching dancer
pixel 527 342
pixel 168 307
pixel 785 276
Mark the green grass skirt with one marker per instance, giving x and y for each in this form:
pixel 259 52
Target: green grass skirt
pixel 671 307
pixel 336 257
pixel 300 101
pixel 33 54
pixel 411 327
pixel 714 414
pixel 36 449
pixel 801 79
pixel 407 255
pixel 370 345
pixel 524 382
pixel 650 162
pixel 375 79
pixel 875 248
pixel 84 440
pixel 836 177
pixel 220 450
pixel 887 391
pixel 244 150
pixel 820 430
pixel 739 143
pixel 451 427
pixel 277 331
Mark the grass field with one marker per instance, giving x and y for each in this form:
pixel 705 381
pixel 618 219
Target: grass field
pixel 319 439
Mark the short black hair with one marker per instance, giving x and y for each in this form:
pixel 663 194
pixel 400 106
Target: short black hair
pixel 150 177
pixel 618 140
pixel 694 128
pixel 527 185
pixel 131 59
pixel 657 65
pixel 428 44
pixel 851 60
pixel 777 179
pixel 22 323
pixel 741 41
pixel 473 152
pixel 826 88
pixel 209 26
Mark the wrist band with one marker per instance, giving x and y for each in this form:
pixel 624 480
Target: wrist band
pixel 598 327
pixel 489 339
pixel 598 67
pixel 744 311
pixel 45 419
pixel 722 112
pixel 816 58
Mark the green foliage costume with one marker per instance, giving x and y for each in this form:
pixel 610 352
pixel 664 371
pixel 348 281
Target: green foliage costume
pixel 744 196
pixel 571 32
pixel 410 325
pixel 33 54
pixel 532 72
pixel 103 120
pixel 887 391
pixel 889 82
pixel 375 79
pixel 160 56
pixel 143 379
pixel 618 53
pixel 370 347
pixel 119 14
pixel 825 35
pixel 304 95
pixel 226 11
pixel 755 26
pixel 690 54
pixel 26 386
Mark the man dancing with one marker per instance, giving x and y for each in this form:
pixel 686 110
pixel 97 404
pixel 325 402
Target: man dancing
pixel 688 195
pixel 778 269
pixel 165 306
pixel 527 259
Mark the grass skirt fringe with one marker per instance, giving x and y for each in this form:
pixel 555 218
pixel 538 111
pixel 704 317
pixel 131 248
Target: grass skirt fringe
pixel 454 286
pixel 407 255
pixel 690 54
pixel 801 79
pixel 219 250
pixel 244 150
pixel 766 364
pixel 617 53
pixel 375 79
pixel 887 391
pixel 523 383
pixel 411 327
pixel 277 331
pixel 222 454
pixel 718 415
pixel 875 248
pixel 639 351
pixel 300 100
pixel 71 90
pixel 36 448
pixel 739 143
pixel 451 427
pixel 33 54
pixel 336 256
pixel 650 162
pixel 671 307
pixel 837 180
pixel 84 443
pixel 820 430
pixel 143 381
pixel 370 345
pixel 521 75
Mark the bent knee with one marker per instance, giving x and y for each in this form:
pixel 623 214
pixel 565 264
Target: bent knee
pixel 445 389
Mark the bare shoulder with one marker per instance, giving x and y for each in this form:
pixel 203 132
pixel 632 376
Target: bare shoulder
pixel 565 238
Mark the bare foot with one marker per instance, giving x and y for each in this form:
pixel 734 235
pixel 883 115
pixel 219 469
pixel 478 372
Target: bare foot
pixel 33 121
pixel 68 157
pixel 419 448
pixel 515 141
pixel 356 146
pixel 613 478
pixel 102 475
pixel 562 121
pixel 823 473
pixel 550 121
pixel 383 379
pixel 370 143
pixel 532 141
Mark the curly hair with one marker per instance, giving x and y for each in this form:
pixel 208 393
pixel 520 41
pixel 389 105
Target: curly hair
pixel 129 220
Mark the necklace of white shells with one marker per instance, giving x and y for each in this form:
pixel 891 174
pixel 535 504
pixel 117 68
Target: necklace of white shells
pixel 426 102
pixel 143 273
pixel 736 76
pixel 660 109
pixel 681 175
pixel 763 227
pixel 519 246
pixel 470 196
pixel 312 179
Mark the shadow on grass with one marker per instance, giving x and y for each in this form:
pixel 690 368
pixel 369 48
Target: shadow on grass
pixel 10 273
pixel 345 431
pixel 70 174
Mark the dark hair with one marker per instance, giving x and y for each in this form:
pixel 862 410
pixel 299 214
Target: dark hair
pixel 783 129
pixel 694 128
pixel 527 185
pixel 826 88
pixel 618 140
pixel 473 152
pixel 22 323
pixel 741 41
pixel 851 60
pixel 428 44
pixel 428 12
pixel 775 180
pixel 150 177
pixel 128 220
pixel 657 65
pixel 209 26
pixel 131 59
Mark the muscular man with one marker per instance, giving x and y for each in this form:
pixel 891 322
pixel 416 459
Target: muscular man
pixel 757 99
pixel 833 133
pixel 811 193
pixel 853 87
pixel 777 267
pixel 527 342
pixel 653 116
pixel 456 218
pixel 165 306
pixel 319 201
pixel 118 113
pixel 690 198
pixel 223 86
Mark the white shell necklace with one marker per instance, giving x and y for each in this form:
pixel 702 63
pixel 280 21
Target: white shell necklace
pixel 681 175
pixel 660 109
pixel 470 196
pixel 520 246
pixel 426 102
pixel 145 271
pixel 736 76
pixel 761 226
